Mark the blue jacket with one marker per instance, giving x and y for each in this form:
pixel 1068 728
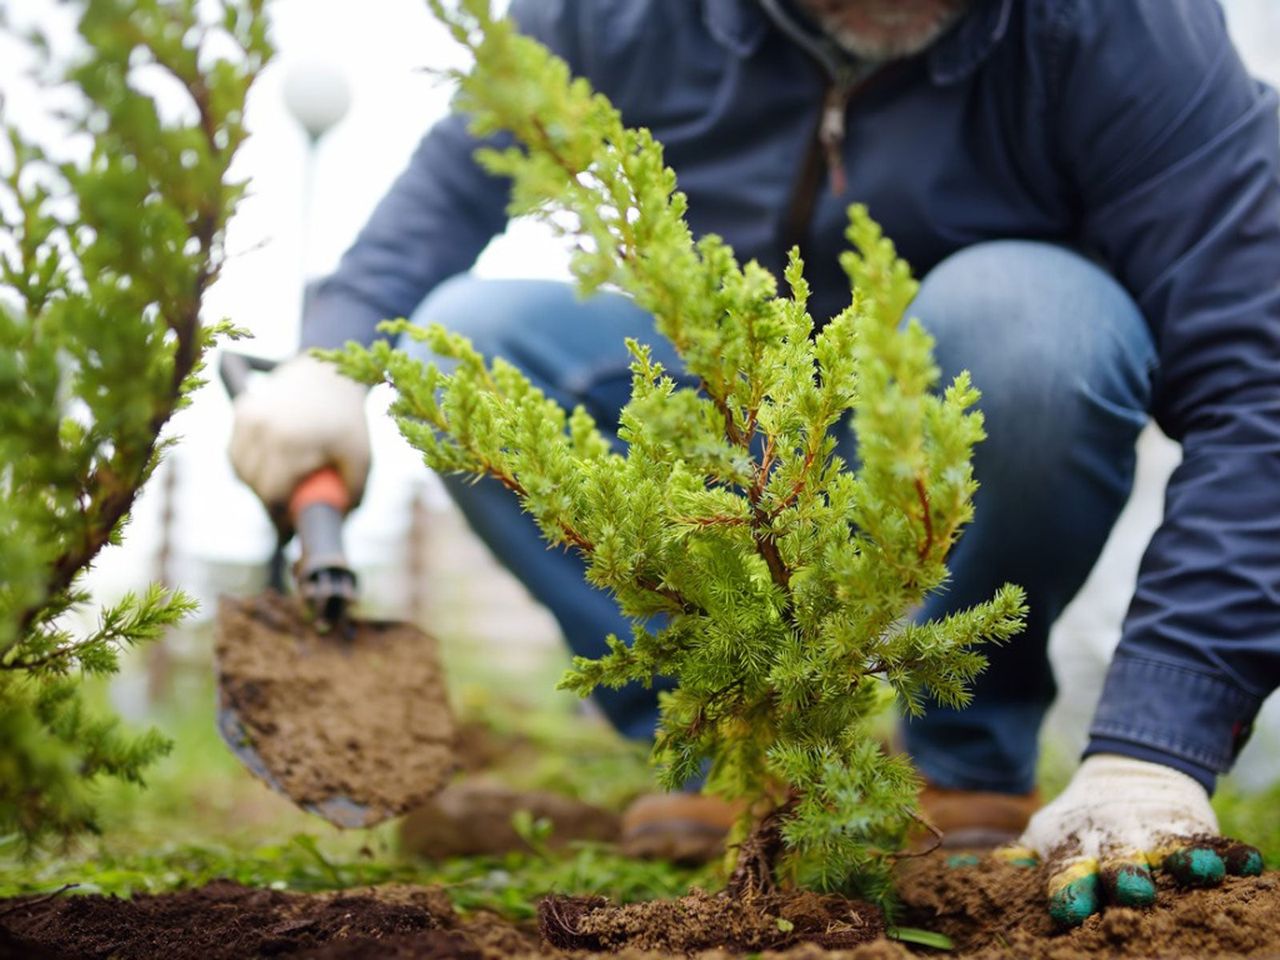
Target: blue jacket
pixel 1128 128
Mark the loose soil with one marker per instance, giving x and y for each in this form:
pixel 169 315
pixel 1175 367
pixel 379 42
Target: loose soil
pixel 992 912
pixel 995 911
pixel 355 727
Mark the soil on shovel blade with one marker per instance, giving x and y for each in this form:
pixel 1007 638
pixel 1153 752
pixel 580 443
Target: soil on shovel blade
pixel 991 911
pixel 360 720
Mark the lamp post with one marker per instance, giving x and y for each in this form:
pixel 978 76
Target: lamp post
pixel 318 96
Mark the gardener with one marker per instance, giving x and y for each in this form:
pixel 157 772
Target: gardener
pixel 1090 190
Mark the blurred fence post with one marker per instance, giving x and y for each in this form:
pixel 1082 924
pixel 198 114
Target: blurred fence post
pixel 159 655
pixel 416 561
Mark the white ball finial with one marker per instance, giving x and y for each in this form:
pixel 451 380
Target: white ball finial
pixel 318 96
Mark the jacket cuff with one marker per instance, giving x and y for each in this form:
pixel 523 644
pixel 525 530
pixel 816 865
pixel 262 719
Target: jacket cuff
pixel 1135 751
pixel 1175 714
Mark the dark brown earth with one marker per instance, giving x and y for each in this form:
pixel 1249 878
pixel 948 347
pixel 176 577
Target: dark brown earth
pixel 355 727
pixel 992 911
pixel 224 919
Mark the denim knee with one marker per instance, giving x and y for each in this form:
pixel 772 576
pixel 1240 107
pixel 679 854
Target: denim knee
pixel 1050 338
pixel 467 305
pixel 1064 360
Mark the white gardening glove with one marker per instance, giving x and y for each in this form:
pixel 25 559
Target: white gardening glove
pixel 1117 819
pixel 302 416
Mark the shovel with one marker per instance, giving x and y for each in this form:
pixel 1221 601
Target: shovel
pixel 348 718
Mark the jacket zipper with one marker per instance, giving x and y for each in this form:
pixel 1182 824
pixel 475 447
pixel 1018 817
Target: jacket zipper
pixel 826 149
pixel 825 155
pixel 831 134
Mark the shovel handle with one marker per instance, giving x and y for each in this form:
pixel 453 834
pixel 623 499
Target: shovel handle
pixel 235 368
pixel 324 486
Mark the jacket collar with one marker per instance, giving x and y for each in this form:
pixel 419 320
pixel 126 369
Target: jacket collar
pixel 970 42
pixel 740 25
pixel 737 25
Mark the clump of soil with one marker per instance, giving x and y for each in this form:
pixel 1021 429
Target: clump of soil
pixel 704 921
pixel 474 818
pixel 996 911
pixel 353 726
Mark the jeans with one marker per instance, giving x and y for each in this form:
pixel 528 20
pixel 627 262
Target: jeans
pixel 1064 360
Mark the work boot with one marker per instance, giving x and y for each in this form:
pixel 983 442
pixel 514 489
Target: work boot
pixel 974 819
pixel 686 828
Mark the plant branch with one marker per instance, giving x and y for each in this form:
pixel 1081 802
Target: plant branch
pixel 811 455
pixel 934 845
pixel 927 516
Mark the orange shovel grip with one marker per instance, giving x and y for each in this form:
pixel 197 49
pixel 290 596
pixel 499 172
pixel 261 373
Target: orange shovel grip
pixel 324 486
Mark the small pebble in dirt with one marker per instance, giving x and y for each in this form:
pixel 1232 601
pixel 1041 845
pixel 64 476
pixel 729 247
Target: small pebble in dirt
pixel 1195 867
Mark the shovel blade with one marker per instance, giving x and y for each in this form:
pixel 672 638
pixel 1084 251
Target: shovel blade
pixel 355 728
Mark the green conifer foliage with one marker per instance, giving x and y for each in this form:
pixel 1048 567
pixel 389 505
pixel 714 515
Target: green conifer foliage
pixel 103 263
pixel 771 579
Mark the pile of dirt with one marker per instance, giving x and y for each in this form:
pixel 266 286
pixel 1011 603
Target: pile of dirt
pixel 992 912
pixel 356 727
pixel 995 911
pixel 702 921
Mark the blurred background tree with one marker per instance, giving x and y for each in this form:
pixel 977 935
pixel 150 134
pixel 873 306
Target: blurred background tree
pixel 104 262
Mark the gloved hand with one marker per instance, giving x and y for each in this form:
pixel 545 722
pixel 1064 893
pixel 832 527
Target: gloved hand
pixel 1117 820
pixel 302 416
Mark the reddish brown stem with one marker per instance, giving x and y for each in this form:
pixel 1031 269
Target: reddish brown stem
pixel 736 437
pixel 794 494
pixel 762 473
pixel 934 845
pixel 927 517
pixel 767 547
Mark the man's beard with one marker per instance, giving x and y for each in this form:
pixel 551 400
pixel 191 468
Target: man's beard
pixel 882 30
